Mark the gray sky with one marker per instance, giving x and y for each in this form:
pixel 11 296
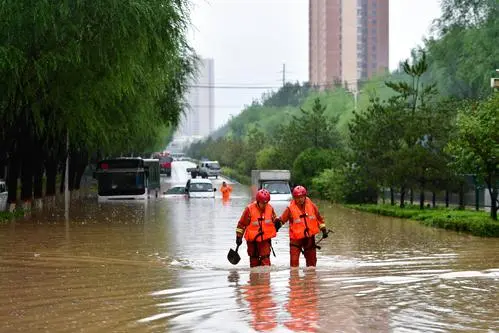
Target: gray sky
pixel 250 40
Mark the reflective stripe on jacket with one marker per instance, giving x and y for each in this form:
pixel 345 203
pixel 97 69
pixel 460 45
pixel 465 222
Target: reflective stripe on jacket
pixel 303 223
pixel 261 226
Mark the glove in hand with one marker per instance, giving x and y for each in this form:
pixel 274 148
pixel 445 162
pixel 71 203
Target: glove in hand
pixel 239 240
pixel 324 233
pixel 277 224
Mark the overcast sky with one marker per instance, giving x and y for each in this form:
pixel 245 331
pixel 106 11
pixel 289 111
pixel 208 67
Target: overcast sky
pixel 250 40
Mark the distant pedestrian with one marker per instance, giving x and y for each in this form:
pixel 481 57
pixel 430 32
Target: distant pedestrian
pixel 226 191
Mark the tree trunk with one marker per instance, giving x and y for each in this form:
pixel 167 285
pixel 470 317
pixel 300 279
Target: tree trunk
pixel 402 197
pixel 421 194
pixel 461 197
pixel 12 177
pixel 73 166
pixel 433 199
pixel 412 196
pixel 421 199
pixel 51 172
pixel 27 169
pixel 392 197
pixel 63 176
pixel 26 180
pixel 81 169
pixel 38 178
pixel 447 198
pixel 493 203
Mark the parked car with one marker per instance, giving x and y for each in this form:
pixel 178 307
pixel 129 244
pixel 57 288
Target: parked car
pixel 200 188
pixel 176 191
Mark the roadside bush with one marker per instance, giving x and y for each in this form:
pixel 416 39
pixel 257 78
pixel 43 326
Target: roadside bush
pixel 235 175
pixel 475 223
pixel 330 184
pixel 344 185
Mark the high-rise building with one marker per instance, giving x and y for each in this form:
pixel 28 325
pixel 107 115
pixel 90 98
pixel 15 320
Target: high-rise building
pixel 199 117
pixel 348 40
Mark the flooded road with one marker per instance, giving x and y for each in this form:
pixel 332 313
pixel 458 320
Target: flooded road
pixel 161 266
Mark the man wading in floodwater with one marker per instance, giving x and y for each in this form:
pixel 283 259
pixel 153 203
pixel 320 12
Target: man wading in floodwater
pixel 257 226
pixel 305 222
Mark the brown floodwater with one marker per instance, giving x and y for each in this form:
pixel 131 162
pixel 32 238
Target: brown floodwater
pixel 161 266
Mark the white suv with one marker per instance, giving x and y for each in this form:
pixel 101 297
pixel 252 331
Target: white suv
pixel 200 188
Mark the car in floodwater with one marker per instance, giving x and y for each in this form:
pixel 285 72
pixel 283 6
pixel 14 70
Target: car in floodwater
pixel 176 191
pixel 200 188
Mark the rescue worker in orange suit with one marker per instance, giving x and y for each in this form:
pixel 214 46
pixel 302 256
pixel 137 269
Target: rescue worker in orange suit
pixel 257 226
pixel 302 302
pixel 305 222
pixel 258 294
pixel 226 190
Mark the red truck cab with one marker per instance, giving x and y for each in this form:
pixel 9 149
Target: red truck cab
pixel 165 164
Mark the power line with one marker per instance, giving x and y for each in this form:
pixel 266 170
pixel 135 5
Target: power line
pixel 263 87
pixel 217 106
pixel 232 87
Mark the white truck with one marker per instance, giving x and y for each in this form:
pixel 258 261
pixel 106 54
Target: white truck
pixel 275 181
pixel 205 169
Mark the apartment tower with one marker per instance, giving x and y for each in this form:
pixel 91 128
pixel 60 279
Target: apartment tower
pixel 348 41
pixel 199 117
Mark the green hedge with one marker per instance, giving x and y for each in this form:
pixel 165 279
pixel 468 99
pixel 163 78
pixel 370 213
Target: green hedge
pixel 6 216
pixel 475 223
pixel 233 174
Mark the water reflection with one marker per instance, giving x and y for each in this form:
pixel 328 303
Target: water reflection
pixel 302 301
pixel 258 295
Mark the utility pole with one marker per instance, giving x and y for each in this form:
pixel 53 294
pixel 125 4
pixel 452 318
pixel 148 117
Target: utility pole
pixel 283 75
pixel 283 72
pixel 66 180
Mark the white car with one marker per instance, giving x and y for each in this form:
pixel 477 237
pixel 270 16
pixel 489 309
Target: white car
pixel 200 188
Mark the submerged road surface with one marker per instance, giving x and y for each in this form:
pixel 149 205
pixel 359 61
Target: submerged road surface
pixel 161 266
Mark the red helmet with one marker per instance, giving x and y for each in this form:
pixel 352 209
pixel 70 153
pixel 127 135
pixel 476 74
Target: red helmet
pixel 299 191
pixel 263 196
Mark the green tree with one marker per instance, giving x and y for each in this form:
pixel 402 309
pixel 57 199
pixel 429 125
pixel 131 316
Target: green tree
pixel 311 162
pixel 475 147
pixel 315 129
pixel 463 50
pixel 270 158
pixel 108 74
pixel 377 146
